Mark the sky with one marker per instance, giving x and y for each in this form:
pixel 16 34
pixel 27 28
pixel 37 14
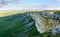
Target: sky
pixel 29 4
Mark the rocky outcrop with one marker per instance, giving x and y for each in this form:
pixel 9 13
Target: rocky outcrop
pixel 45 21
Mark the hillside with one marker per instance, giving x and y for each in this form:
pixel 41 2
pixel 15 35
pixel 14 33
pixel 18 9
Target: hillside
pixel 17 25
pixel 25 25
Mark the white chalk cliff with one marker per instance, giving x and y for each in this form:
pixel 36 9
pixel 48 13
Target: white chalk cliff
pixel 44 21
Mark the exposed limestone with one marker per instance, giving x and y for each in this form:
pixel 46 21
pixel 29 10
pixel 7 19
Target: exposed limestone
pixel 45 21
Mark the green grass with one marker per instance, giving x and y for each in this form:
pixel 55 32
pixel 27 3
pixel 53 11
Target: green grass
pixel 12 26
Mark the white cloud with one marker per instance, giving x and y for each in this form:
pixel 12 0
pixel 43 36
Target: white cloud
pixel 11 5
pixel 58 0
pixel 50 7
pixel 5 2
pixel 29 7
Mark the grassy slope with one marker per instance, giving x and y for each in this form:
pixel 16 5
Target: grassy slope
pixel 12 26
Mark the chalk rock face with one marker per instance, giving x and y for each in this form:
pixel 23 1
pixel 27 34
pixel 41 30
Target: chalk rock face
pixel 44 21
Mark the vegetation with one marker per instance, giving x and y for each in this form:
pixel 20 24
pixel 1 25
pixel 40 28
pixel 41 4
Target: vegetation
pixel 16 26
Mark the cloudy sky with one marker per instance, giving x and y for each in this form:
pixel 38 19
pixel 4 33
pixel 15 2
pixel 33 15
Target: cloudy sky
pixel 29 4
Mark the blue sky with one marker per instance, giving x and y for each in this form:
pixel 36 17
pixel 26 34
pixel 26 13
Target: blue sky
pixel 29 4
pixel 42 2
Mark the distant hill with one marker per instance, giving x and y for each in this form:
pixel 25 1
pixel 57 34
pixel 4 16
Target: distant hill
pixel 10 12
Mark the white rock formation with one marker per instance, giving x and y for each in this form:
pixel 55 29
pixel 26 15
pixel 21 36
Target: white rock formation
pixel 44 21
